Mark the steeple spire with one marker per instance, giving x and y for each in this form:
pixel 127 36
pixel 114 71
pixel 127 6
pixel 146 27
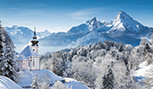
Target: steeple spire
pixel 34 34
pixel 0 24
pixel 34 41
pixel 34 31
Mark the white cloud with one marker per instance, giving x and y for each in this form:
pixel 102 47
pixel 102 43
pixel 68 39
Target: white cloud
pixel 83 14
pixel 87 13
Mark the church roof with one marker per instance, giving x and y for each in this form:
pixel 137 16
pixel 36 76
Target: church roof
pixel 26 53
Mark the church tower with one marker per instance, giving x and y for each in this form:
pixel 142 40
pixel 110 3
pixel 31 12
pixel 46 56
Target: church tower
pixel 34 42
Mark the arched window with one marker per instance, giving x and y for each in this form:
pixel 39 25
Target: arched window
pixel 29 64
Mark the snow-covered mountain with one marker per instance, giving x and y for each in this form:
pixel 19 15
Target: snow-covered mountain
pixel 21 34
pixel 91 25
pixel 43 34
pixel 122 29
pixel 124 23
pixel 77 33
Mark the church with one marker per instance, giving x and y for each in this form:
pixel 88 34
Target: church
pixel 28 59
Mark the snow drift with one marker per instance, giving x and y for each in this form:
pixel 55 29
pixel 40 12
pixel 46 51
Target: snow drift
pixel 6 83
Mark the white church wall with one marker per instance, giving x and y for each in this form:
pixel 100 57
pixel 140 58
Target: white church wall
pixel 35 63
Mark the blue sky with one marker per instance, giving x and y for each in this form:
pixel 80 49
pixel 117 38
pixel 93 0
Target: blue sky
pixel 61 15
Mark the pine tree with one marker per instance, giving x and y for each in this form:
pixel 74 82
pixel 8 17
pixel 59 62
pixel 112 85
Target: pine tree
pixel 147 48
pixel 1 49
pixel 7 62
pixel 35 82
pixel 108 80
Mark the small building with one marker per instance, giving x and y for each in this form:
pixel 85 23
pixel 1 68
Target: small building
pixel 29 59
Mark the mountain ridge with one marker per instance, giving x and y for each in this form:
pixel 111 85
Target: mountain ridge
pixel 21 34
pixel 124 22
pixel 122 29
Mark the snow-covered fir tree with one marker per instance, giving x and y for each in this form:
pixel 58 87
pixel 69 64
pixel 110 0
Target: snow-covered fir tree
pixel 108 80
pixel 10 63
pixel 41 83
pixel 35 82
pixel 7 54
pixel 2 47
pixel 60 85
pixel 89 64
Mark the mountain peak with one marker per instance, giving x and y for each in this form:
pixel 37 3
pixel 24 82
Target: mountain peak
pixel 123 16
pixel 93 24
pixel 15 26
pixel 122 12
pixel 124 23
pixel 92 21
pixel 47 31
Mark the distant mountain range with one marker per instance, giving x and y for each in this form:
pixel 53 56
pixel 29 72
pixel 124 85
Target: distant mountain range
pixel 122 29
pixel 21 35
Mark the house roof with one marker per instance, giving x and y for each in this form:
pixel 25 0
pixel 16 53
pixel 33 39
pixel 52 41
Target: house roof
pixel 26 53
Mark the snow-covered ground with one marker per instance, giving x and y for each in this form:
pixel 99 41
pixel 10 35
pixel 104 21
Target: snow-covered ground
pixel 27 76
pixel 75 85
pixel 144 69
pixel 6 83
pixel 43 75
pixel 144 73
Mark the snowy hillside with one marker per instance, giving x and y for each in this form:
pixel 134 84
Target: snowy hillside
pixel 144 69
pixel 6 83
pixel 46 76
pixel 105 64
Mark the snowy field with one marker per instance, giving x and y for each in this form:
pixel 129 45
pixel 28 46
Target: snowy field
pixel 6 83
pixel 45 76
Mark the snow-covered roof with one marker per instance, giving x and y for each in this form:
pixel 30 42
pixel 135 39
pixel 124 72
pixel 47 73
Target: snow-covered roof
pixel 26 53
